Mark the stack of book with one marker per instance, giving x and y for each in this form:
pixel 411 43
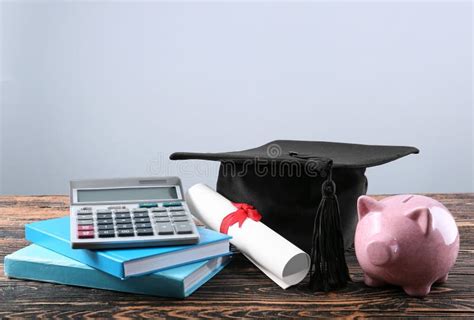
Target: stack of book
pixel 175 271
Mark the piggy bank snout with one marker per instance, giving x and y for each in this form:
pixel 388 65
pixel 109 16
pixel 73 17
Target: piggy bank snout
pixel 381 252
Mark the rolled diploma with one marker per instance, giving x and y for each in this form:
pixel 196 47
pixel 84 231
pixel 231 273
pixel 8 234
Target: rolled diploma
pixel 278 258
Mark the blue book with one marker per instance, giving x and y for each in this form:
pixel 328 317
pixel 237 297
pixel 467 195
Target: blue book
pixel 37 263
pixel 53 234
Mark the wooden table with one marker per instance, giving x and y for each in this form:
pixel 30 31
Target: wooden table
pixel 239 291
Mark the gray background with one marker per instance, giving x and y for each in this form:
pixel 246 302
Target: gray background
pixel 102 89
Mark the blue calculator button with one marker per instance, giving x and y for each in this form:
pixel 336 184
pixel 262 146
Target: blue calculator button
pixel 148 205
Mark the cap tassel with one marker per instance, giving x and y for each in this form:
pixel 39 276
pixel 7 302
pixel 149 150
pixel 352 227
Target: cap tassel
pixel 328 264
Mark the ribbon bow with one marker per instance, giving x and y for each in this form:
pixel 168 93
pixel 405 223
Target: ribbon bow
pixel 243 212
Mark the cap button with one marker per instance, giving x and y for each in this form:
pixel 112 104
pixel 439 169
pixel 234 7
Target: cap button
pixel 329 188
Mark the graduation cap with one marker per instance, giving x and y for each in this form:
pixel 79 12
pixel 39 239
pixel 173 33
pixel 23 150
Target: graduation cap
pixel 306 191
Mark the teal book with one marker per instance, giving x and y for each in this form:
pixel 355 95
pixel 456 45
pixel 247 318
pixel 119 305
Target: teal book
pixel 53 234
pixel 40 264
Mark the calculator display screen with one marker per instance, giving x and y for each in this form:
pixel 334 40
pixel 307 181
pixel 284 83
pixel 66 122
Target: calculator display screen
pixel 127 194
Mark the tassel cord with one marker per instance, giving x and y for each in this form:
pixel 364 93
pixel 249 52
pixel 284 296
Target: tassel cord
pixel 328 270
pixel 328 264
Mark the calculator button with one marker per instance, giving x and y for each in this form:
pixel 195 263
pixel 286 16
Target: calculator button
pixel 182 228
pixel 105 227
pixel 125 226
pixel 143 225
pixel 158 210
pixel 106 233
pixel 180 219
pixel 85 217
pixel 125 233
pixel 148 205
pixel 84 212
pixel 89 217
pixel 123 221
pixel 86 227
pixel 145 232
pixel 122 215
pixel 139 210
pixel 84 222
pixel 171 204
pixel 104 216
pixel 104 211
pixel 161 215
pixel 177 209
pixel 105 221
pixel 116 207
pixel 178 214
pixel 141 215
pixel 122 211
pixel 161 220
pixel 165 228
pixel 142 220
pixel 85 234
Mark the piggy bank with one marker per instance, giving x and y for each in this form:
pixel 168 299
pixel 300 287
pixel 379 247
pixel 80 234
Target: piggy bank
pixel 410 241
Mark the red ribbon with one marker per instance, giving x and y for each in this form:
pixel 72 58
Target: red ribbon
pixel 243 212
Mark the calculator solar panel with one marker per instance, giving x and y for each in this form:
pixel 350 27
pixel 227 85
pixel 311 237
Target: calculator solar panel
pixel 130 212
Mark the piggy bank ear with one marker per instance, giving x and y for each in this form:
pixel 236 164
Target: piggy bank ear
pixel 422 216
pixel 367 204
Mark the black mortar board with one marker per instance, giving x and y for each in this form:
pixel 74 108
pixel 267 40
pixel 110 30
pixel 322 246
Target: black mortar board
pixel 306 191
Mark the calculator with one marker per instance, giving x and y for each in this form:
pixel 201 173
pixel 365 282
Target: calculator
pixel 130 212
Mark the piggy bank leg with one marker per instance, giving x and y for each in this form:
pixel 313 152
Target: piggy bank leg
pixel 443 279
pixel 417 291
pixel 371 282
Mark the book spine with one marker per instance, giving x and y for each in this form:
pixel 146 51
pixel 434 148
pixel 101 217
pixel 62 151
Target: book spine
pixel 196 286
pixel 176 265
pixel 90 278
pixel 95 259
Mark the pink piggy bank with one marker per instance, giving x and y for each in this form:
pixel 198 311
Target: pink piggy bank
pixel 406 240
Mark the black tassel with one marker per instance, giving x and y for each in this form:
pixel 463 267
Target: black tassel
pixel 328 264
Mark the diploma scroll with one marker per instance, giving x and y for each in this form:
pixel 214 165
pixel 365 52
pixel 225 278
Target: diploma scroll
pixel 278 258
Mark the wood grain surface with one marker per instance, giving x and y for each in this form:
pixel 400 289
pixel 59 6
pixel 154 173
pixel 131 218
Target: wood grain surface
pixel 239 291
